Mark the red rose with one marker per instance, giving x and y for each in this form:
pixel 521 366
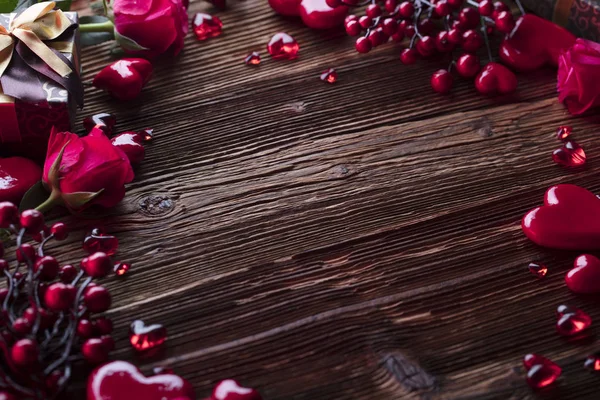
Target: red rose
pixel 579 76
pixel 156 25
pixel 84 171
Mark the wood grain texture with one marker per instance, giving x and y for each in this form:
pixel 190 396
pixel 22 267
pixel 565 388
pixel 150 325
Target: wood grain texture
pixel 351 241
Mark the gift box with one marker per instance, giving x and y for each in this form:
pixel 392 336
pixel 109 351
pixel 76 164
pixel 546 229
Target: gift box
pixel 39 78
pixel 582 17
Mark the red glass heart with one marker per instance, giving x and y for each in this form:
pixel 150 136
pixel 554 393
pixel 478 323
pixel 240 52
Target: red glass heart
pixel 496 78
pixel 229 389
pixel 120 380
pixel 541 372
pixel 593 362
pixel 17 175
pixel 585 275
pixel 569 219
pixel 539 270
pixel 316 14
pixel 569 155
pixel 144 337
pixel 283 47
pixel 534 42
pixel 99 241
pixel 572 321
pixel 286 7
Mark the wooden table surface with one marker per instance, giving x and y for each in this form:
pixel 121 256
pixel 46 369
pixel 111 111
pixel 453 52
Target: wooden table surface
pixel 351 241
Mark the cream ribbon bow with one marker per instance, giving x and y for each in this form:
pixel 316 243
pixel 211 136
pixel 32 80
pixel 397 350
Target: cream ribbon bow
pixel 37 23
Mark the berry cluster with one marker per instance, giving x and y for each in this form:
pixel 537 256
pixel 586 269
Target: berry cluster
pixel 46 319
pixel 453 27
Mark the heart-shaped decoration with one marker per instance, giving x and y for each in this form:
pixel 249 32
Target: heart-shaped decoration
pixel 317 14
pixel 569 219
pixel 569 155
pixel 124 79
pixel 120 380
pixel 229 389
pixel 535 42
pixel 17 175
pixel 132 145
pixel 495 78
pixel 585 275
pixel 145 337
pixel 286 7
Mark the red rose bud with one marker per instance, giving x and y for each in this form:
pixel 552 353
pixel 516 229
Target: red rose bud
pixel 132 145
pixel 85 171
pixel 579 76
pixel 17 175
pixel 150 28
pixel 124 79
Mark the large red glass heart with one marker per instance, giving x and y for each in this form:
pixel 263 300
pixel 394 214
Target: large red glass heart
pixel 120 380
pixel 535 42
pixel 585 275
pixel 569 219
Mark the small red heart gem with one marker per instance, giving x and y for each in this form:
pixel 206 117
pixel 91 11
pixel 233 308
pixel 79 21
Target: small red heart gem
pixel 541 372
pixel 571 321
pixel 569 219
pixel 495 78
pixel 145 337
pixel 97 241
pixel 229 389
pixel 569 155
pixel 535 42
pixel 585 275
pixel 120 380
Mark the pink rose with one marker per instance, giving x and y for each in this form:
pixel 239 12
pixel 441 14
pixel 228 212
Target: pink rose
pixel 156 25
pixel 579 76
pixel 89 171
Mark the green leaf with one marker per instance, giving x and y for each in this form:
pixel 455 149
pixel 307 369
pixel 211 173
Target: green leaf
pixel 127 43
pixel 7 6
pixel 35 196
pixel 78 200
pixel 64 5
pixel 92 38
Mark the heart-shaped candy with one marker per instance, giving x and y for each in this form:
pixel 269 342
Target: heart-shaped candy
pixel 17 175
pixel 585 275
pixel 317 14
pixel 229 389
pixel 145 337
pixel 124 79
pixel 569 219
pixel 535 42
pixel 495 78
pixel 120 380
pixel 132 145
pixel 569 155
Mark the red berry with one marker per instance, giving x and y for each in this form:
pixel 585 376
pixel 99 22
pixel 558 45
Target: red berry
pixel 408 56
pixel 67 273
pixel 455 3
pixel 59 230
pixel 108 341
pixel 376 37
pixel 441 81
pixel 95 351
pixel 390 26
pixel 442 8
pixel 47 267
pixel 97 299
pixel 353 28
pixel 409 30
pixel 486 8
pixel 406 9
pixel 22 326
pixel 398 36
pixel 390 5
pixel 25 353
pixel 8 214
pixel 26 253
pixel 468 17
pixel 85 329
pixel 426 46
pixel 333 3
pixel 363 45
pixel 468 65
pixel 426 26
pixel 46 319
pixel 505 22
pixel 442 43
pixel 455 36
pixel 98 265
pixel 365 22
pixel 103 325
pixel 373 11
pixel 350 17
pixel 52 381
pixel 32 221
pixel 3 266
pixel 472 40
pixel 498 8
pixel 59 296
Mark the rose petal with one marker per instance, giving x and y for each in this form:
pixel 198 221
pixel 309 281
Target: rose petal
pixel 133 7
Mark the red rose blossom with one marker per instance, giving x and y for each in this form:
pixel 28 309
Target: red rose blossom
pixel 89 171
pixel 579 76
pixel 155 25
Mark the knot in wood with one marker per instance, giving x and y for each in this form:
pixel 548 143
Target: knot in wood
pixel 156 204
